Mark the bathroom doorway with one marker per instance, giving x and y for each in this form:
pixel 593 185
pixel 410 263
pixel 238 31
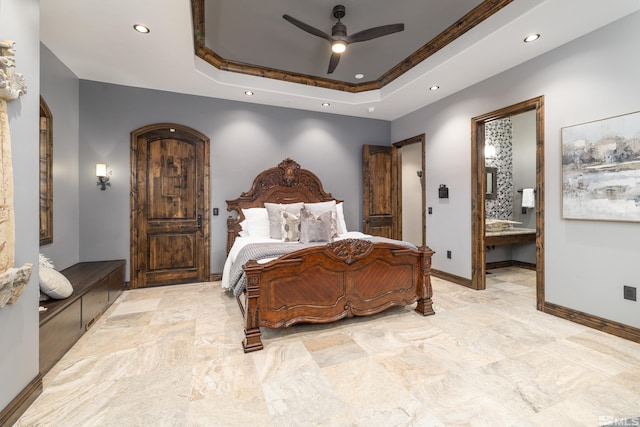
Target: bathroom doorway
pixel 480 185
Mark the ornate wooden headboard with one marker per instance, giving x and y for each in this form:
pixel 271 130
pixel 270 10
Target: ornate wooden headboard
pixel 285 183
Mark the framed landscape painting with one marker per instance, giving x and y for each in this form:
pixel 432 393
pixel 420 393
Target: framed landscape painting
pixel 601 169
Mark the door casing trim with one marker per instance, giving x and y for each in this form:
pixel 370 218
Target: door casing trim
pixel 478 190
pixel 397 197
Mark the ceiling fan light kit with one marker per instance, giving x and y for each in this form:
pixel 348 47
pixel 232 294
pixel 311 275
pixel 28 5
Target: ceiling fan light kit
pixel 338 46
pixel 339 37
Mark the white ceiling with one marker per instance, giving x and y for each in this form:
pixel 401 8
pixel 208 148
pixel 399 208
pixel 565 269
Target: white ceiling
pixel 95 39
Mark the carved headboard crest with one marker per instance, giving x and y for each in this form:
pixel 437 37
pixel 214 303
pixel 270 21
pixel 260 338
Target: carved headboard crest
pixel 285 183
pixel 287 174
pixel 290 171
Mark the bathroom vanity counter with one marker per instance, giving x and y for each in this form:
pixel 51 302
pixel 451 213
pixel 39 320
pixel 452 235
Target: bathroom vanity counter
pixel 510 236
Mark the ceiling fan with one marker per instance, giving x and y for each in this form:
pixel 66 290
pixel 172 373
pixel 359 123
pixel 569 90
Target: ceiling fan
pixel 339 38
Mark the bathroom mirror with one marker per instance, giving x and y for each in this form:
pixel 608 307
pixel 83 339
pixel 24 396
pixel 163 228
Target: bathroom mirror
pixel 492 183
pixel 46 179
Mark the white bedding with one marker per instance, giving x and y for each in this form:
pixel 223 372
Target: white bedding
pixel 241 242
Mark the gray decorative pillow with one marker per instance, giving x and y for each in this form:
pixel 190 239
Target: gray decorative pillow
pixel 316 228
pixel 290 226
pixel 273 211
pixel 319 208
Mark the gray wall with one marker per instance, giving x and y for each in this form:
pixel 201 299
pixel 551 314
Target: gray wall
pixel 19 21
pixel 594 77
pixel 524 164
pixel 60 89
pixel 524 176
pixel 245 139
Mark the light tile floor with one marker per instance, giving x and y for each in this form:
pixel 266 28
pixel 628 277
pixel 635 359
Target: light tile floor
pixel 171 356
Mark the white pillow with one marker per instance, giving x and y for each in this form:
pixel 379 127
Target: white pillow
pixel 319 208
pixel 45 262
pixel 256 222
pixel 243 232
pixel 54 284
pixel 342 225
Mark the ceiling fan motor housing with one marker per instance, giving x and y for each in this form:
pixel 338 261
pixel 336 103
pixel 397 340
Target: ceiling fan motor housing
pixel 339 31
pixel 339 11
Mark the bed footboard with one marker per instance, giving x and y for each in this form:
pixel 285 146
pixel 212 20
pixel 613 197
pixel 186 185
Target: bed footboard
pixel 323 284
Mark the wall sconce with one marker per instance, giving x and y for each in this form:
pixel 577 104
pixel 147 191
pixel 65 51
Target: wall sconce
pixel 489 152
pixel 103 178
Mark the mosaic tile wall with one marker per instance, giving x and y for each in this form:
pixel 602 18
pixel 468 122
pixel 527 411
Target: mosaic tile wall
pixel 499 135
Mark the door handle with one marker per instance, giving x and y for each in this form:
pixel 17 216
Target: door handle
pixel 199 222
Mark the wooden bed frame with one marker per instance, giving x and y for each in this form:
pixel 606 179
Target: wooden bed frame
pixel 325 283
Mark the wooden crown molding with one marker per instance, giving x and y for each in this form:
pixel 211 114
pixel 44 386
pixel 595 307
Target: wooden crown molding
pixel 476 16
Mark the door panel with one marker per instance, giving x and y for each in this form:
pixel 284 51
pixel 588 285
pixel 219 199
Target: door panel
pixel 168 251
pixel 170 227
pixel 378 212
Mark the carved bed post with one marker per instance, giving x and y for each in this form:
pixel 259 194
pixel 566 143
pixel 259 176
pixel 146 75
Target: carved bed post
pixel 231 232
pixel 252 341
pixel 425 292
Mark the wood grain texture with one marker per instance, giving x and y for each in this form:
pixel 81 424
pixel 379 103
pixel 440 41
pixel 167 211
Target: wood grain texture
pixel 169 205
pixel 379 186
pixel 322 284
pixel 46 177
pixel 96 285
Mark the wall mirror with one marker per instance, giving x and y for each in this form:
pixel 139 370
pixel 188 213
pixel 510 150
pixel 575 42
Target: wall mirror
pixel 492 183
pixel 46 179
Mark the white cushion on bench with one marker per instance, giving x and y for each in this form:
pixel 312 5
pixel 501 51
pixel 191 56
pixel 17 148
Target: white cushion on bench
pixel 54 284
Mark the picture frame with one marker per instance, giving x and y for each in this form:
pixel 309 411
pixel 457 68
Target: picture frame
pixel 46 177
pixel 601 169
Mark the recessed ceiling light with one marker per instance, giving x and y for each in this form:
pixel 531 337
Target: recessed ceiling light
pixel 434 87
pixel 325 104
pixel 141 28
pixel 248 92
pixel 359 76
pixel 371 109
pixel 531 38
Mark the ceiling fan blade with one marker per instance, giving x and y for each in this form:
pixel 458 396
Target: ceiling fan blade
pixel 375 32
pixel 308 28
pixel 333 62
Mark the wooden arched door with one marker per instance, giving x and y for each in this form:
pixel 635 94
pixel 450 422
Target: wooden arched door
pixel 169 205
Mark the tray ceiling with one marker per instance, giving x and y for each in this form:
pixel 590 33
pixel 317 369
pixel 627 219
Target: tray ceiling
pixel 257 50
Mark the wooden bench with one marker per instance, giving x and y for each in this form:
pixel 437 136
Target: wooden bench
pixel 96 285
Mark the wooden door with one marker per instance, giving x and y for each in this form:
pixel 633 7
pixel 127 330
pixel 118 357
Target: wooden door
pixel 169 206
pixel 379 180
